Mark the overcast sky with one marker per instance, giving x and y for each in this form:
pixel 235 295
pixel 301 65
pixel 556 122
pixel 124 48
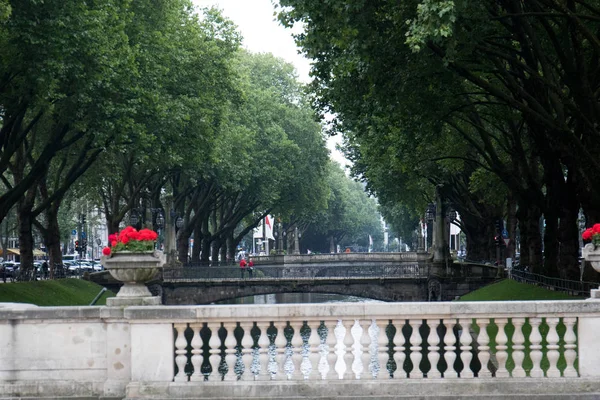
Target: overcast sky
pixel 263 34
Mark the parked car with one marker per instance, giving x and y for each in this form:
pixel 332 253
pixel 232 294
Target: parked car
pixel 9 269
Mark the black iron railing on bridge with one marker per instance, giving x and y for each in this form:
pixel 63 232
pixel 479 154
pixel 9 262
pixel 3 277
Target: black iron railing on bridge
pixel 574 288
pixel 282 272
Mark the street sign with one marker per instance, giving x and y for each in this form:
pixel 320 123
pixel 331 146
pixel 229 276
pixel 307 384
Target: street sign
pixel 506 241
pixel 505 234
pixel 74 232
pixel 83 235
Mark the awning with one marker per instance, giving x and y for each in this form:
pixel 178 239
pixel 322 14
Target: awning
pixel 16 252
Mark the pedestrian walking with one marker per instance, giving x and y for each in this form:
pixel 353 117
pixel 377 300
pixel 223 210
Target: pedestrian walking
pixel 250 267
pixel 45 269
pixel 242 267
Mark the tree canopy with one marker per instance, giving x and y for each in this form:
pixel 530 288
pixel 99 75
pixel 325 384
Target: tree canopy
pixel 460 93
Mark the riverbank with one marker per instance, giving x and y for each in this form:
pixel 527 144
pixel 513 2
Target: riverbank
pixel 509 290
pixel 60 292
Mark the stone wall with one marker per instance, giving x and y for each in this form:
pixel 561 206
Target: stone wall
pixel 156 352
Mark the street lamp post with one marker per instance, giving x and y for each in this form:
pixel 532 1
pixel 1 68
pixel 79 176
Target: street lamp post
pixel 581 223
pixel 160 222
pixel 279 237
pixel 297 236
pixel 441 227
pixel 99 243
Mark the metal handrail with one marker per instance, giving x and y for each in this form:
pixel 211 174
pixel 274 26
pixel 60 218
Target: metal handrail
pixel 577 288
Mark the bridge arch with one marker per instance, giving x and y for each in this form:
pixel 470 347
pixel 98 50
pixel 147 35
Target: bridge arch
pixel 193 293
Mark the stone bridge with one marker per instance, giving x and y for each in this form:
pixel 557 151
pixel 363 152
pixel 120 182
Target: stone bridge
pixel 379 276
pixel 379 288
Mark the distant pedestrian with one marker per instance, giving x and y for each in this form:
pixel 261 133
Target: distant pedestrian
pixel 242 267
pixel 45 269
pixel 250 267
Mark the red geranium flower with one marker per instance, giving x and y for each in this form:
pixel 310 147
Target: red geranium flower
pixel 106 251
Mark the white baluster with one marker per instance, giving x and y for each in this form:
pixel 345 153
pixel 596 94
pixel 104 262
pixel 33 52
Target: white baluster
pixel 501 354
pixel 365 342
pixel 230 351
pixel 399 349
pixel 553 354
pixel 518 354
pixel 181 357
pixel 415 348
pixel 280 346
pixel 348 347
pixel 449 348
pixel 382 349
pixel 215 351
pixel 263 358
pixel 483 341
pixel 313 347
pixel 465 347
pixel 535 348
pixel 247 350
pixel 434 349
pixel 331 354
pixel 570 345
pixel 196 353
pixel 297 350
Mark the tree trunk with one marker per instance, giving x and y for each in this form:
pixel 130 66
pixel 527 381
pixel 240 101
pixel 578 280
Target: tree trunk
pixel 568 233
pixel 531 241
pixel 551 244
pixel 183 245
pixel 26 244
pixel 197 245
pixel 331 244
pixel 112 225
pixel 479 235
pixel 511 226
pixel 223 251
pixel 216 246
pixel 231 246
pixel 206 241
pixel 553 178
pixel 52 239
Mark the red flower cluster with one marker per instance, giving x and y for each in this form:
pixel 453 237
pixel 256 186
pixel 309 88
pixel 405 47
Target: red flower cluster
pixel 130 239
pixel 592 233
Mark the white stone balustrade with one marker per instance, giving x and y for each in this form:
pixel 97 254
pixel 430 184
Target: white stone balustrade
pixel 234 351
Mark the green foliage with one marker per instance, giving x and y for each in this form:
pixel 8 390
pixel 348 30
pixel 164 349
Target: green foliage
pixel 350 218
pixel 435 20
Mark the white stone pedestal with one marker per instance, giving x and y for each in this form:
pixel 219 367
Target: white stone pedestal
pixel 134 269
pixel 595 294
pixel 133 301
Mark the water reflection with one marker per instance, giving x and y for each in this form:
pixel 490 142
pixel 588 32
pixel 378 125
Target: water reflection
pixel 289 298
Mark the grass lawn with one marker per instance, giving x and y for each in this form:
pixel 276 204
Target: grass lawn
pixel 507 290
pixel 60 292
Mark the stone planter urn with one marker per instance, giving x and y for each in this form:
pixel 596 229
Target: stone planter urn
pixel 592 254
pixel 134 269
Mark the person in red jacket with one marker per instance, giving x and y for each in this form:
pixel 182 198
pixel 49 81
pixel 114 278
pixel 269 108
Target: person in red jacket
pixel 242 267
pixel 250 267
